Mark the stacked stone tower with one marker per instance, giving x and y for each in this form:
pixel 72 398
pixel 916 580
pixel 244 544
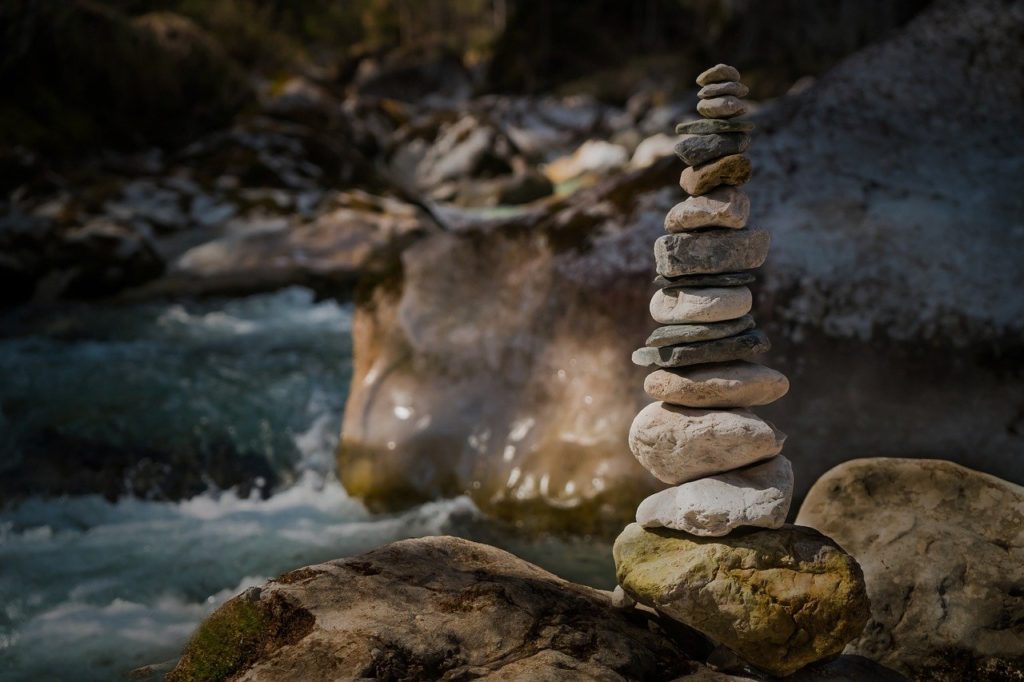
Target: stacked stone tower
pixel 699 552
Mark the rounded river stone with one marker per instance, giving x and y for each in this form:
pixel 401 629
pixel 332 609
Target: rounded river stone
pixel 734 169
pixel 734 88
pixel 745 346
pixel 684 305
pixel 710 126
pixel 711 251
pixel 727 384
pixel 725 279
pixel 691 333
pixel 698 149
pixel 722 207
pixel 726 106
pixel 718 74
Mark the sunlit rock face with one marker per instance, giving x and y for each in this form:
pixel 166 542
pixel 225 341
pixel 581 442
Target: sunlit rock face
pixel 495 359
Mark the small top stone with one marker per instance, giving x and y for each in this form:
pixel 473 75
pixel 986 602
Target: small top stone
pixel 717 74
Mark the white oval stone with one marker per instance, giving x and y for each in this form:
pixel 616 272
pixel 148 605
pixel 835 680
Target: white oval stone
pixel 679 444
pixel 712 507
pixel 722 207
pixel 680 305
pixel 726 384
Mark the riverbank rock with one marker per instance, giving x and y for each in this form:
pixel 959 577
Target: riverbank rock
pixel 430 609
pixel 942 549
pixel 718 385
pixel 779 599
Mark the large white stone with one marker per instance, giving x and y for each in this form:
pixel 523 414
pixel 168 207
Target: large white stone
pixel 679 444
pixel 725 384
pixel 711 507
pixel 681 305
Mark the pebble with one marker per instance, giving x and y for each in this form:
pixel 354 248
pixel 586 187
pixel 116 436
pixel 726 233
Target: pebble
pixel 711 251
pixel 745 346
pixel 725 279
pixel 721 107
pixel 710 126
pixel 728 170
pixel 712 507
pixel 730 384
pixel 621 600
pixel 679 444
pixel 734 88
pixel 692 333
pixel 698 149
pixel 717 74
pixel 722 207
pixel 684 305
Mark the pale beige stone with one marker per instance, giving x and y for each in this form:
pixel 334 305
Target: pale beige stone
pixel 727 384
pixel 678 444
pixel 733 88
pixel 722 207
pixel 682 305
pixel 718 74
pixel 734 169
pixel 721 107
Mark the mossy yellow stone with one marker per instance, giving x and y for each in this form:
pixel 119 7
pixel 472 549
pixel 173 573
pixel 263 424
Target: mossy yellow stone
pixel 780 599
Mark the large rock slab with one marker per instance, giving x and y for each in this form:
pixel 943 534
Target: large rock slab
pixel 759 495
pixel 942 548
pixel 711 251
pixel 745 346
pixel 727 384
pixel 780 599
pixel 435 608
pixel 679 444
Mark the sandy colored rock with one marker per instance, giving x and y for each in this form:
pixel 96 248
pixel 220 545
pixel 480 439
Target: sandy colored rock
pixel 679 444
pixel 698 149
pixel 721 107
pixel 781 599
pixel 711 251
pixel 759 496
pixel 729 384
pixel 685 305
pixel 717 74
pixel 728 170
pixel 708 126
pixel 722 207
pixel 734 88
pixel 692 333
pixel 744 346
pixel 942 548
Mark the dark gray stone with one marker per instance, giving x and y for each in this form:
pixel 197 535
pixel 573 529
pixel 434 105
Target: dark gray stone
pixel 711 251
pixel 745 346
pixel 703 148
pixel 712 126
pixel 725 279
pixel 673 334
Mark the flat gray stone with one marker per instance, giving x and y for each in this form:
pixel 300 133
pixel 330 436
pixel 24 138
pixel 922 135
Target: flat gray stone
pixel 711 126
pixel 717 74
pixel 698 149
pixel 745 346
pixel 711 251
pixel 721 107
pixel 725 279
pixel 734 88
pixel 674 334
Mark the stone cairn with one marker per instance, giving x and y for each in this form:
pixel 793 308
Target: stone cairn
pixel 713 551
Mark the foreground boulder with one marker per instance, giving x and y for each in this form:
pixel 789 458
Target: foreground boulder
pixel 779 598
pixel 942 548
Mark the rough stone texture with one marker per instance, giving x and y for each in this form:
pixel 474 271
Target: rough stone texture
pixel 708 126
pixel 729 384
pixel 728 170
pixel 942 548
pixel 723 207
pixel 698 149
pixel 679 444
pixel 780 599
pixel 721 107
pixel 691 333
pixel 714 506
pixel 621 600
pixel 429 609
pixel 718 74
pixel 734 88
pixel 724 279
pixel 684 305
pixel 711 251
pixel 745 346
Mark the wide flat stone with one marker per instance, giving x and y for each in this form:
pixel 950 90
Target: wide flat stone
pixel 717 74
pixel 724 279
pixel 679 444
pixel 734 169
pixel 780 599
pixel 728 384
pixel 698 149
pixel 721 107
pixel 745 346
pixel 711 251
pixel 759 496
pixel 734 88
pixel 722 207
pixel 711 126
pixel 692 333
pixel 684 305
